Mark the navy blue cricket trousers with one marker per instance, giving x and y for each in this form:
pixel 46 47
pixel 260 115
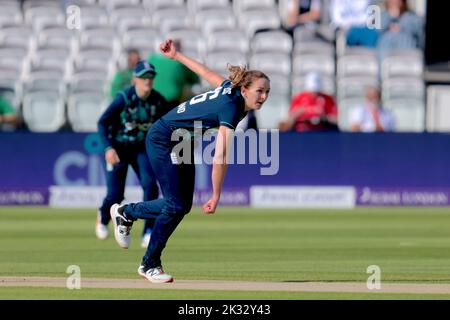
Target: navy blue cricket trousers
pixel 177 186
pixel 116 178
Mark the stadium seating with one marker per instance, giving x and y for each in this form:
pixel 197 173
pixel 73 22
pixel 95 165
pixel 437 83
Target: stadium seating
pixel 10 13
pixel 275 109
pixel 407 87
pixel 251 21
pixel 54 37
pixel 84 110
pixel 355 86
pixel 271 41
pixel 98 59
pixel 228 40
pixel 220 59
pixel 272 62
pixel 315 56
pixel 140 38
pixel 16 37
pixel 11 88
pixel 357 61
pixel 87 81
pixel 310 62
pixel 345 107
pixel 35 41
pixel 167 15
pixel 299 84
pixel 200 5
pixel 240 6
pixel 40 3
pixel 280 83
pixel 112 5
pixel 45 80
pixel 212 20
pixel 305 35
pixel 404 89
pixel 132 14
pixel 409 114
pixel 10 65
pixel 34 14
pixel 101 38
pixel 154 5
pixel 191 39
pixel 402 62
pixel 55 59
pixel 93 17
pixel 44 111
pixel 312 45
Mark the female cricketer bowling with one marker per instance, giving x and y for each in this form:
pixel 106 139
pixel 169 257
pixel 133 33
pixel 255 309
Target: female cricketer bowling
pixel 221 108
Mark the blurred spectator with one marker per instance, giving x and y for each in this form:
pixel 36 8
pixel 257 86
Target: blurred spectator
pixel 123 78
pixel 351 16
pixel 359 33
pixel 311 110
pixel 401 28
pixel 371 116
pixel 8 117
pixel 66 3
pixel 175 81
pixel 301 13
pixel 347 13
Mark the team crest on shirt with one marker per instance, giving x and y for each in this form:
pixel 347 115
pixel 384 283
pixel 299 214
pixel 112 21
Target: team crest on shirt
pixel 181 108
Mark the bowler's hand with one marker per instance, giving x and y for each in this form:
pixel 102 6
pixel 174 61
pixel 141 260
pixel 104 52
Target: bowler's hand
pixel 168 49
pixel 111 157
pixel 210 206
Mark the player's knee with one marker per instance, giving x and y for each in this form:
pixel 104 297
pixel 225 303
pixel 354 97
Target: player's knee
pixel 185 210
pixel 181 208
pixel 187 207
pixel 150 193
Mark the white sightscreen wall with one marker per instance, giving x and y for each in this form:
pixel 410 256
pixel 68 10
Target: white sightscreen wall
pixel 438 108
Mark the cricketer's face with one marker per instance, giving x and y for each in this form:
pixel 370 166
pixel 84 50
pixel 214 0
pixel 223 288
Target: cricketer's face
pixel 256 94
pixel 144 84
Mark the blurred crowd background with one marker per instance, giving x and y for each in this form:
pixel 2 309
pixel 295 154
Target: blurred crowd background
pixel 335 65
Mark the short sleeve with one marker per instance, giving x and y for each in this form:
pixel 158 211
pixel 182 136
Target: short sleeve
pixel 389 121
pixel 356 116
pixel 5 107
pixel 331 107
pixel 229 116
pixel 226 83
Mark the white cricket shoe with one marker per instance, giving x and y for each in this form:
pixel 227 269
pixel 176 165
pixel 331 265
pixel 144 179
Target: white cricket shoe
pixel 155 275
pixel 146 240
pixel 141 271
pixel 101 230
pixel 122 227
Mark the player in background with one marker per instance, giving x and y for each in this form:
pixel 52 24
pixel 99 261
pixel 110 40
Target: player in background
pixel 221 108
pixel 122 129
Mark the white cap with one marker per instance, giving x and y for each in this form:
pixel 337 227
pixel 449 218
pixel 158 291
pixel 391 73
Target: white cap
pixel 313 82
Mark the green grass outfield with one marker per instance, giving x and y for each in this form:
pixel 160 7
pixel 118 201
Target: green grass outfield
pixel 410 245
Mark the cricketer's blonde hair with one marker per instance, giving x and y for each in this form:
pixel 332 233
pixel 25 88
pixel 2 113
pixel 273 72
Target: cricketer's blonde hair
pixel 240 76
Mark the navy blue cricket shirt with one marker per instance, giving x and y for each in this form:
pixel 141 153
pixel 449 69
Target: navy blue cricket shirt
pixel 222 106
